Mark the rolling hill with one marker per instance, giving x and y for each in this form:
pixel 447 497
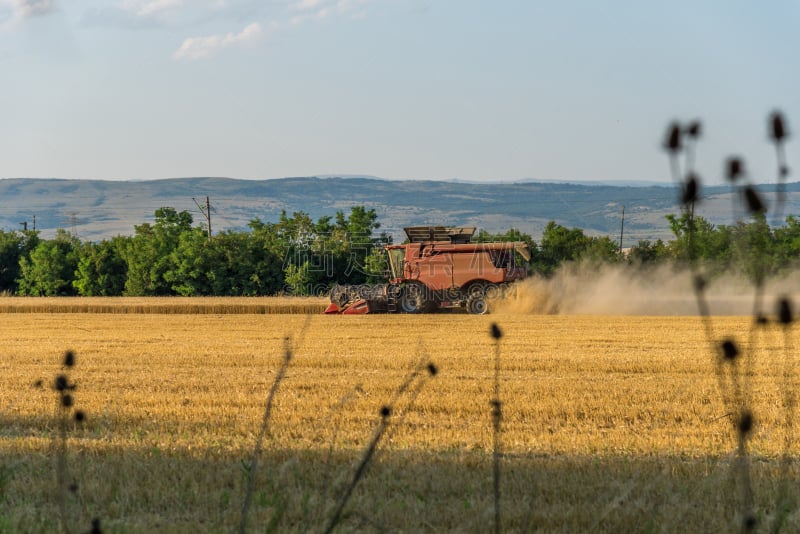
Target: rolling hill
pixel 97 209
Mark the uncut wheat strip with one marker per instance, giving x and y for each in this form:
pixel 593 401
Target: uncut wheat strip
pixel 164 305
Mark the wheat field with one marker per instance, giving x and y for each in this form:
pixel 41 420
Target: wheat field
pixel 610 423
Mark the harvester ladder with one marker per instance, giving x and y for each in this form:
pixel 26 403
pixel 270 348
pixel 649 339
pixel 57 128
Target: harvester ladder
pixel 391 300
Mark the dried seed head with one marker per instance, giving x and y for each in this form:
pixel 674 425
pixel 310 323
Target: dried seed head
pixel 80 416
pixel 694 129
pixel 496 333
pixel 754 203
pixel 385 411
pixel 785 311
pixel 745 424
pixel 432 369
pixel 699 283
pixel 690 189
pixel 750 522
pixel 69 358
pixel 777 128
pixel 67 400
pixel 497 410
pixel 734 168
pixel 672 141
pixel 61 382
pixel 96 526
pixel 287 349
pixel 729 350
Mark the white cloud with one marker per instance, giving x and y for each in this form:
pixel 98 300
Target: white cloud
pixel 133 14
pixel 305 5
pixel 323 9
pixel 147 8
pixel 25 9
pixel 348 5
pixel 35 8
pixel 203 47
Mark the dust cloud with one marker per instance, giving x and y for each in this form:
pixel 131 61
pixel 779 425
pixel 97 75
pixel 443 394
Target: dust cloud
pixel 623 290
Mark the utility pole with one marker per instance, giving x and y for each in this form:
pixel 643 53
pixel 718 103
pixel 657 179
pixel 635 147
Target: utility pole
pixel 24 224
pixel 206 211
pixel 208 217
pixel 621 229
pixel 72 221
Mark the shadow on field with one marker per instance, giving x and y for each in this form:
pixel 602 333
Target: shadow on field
pixel 201 490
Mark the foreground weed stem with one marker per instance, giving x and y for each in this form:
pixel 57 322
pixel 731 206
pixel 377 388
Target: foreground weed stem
pixel 497 413
pixel 337 514
pixel 264 427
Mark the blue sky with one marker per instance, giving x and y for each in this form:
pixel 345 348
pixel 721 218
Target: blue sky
pixel 401 89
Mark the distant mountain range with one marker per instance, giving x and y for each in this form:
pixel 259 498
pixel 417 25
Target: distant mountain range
pixel 96 209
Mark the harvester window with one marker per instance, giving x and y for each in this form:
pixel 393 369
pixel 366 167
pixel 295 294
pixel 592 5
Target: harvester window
pixel 396 262
pixel 501 258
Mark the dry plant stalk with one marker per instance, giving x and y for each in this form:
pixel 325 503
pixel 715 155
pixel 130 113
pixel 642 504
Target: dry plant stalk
pixel 251 473
pixel 734 384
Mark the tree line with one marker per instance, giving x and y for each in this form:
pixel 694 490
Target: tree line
pixel 298 255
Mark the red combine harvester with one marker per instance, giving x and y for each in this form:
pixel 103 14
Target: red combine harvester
pixel 439 268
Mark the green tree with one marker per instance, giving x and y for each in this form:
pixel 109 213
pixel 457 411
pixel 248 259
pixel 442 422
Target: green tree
pixel 13 247
pixel 50 268
pixel 646 252
pixel 191 267
pixel 10 252
pixel 755 248
pixel 696 239
pixel 376 266
pixel 148 254
pixel 303 251
pixel 329 251
pixel 787 242
pixel 227 265
pixel 297 279
pixel 355 252
pixel 558 245
pixel 239 265
pixel 267 250
pixel 101 270
pixel 601 250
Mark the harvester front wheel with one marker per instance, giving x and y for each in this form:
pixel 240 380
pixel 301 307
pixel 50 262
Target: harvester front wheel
pixel 412 299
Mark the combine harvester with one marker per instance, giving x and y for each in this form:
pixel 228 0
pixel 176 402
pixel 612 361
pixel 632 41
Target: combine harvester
pixel 440 268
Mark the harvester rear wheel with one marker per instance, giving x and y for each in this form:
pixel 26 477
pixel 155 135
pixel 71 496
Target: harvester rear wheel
pixel 477 305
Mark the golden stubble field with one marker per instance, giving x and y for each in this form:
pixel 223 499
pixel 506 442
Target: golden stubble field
pixel 610 423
